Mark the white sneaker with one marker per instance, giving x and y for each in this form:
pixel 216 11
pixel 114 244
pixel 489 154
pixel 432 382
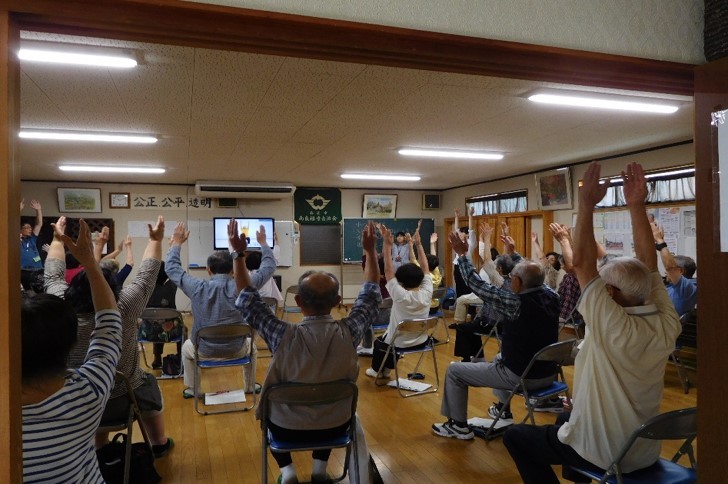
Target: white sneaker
pixel 450 430
pixel 373 373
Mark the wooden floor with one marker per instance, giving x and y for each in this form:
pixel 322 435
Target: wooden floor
pixel 226 448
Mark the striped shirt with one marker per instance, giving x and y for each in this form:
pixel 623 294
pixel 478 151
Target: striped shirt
pixel 58 433
pixel 131 301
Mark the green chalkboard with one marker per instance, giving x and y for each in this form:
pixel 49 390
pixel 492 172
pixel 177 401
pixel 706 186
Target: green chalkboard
pixel 353 227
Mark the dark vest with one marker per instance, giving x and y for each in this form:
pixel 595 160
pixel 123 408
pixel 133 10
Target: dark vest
pixel 537 326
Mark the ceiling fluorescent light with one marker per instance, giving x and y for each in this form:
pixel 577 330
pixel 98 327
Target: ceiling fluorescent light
pixel 605 101
pixel 460 154
pixel 61 54
pixel 355 176
pixel 110 169
pixel 81 136
pixel 681 171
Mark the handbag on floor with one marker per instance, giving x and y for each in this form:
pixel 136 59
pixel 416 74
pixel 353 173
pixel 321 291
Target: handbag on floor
pixel 111 462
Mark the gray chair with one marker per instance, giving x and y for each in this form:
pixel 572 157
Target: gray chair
pixel 223 332
pixel 687 338
pixel 127 423
pixel 412 329
pixel 558 353
pixel 312 395
pixel 675 425
pixel 160 316
pixel 289 304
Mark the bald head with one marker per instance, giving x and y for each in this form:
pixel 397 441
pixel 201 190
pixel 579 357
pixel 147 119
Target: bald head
pixel 318 293
pixel 530 273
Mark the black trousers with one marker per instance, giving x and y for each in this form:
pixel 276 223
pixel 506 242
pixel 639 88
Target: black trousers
pixel 535 449
pixel 300 436
pixel 380 349
pixel 461 287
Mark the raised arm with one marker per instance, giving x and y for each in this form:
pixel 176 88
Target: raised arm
pixel 421 255
pixel 667 259
pixel 154 246
pixel 35 205
pixel 585 250
pixel 369 244
pixel 113 254
pixel 410 247
pixel 56 250
pixel 561 234
pixel 456 222
pixel 635 194
pixel 387 243
pixel 537 250
pixel 129 253
pixel 239 245
pixel 433 243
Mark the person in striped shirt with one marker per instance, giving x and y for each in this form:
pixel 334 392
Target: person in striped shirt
pixel 62 408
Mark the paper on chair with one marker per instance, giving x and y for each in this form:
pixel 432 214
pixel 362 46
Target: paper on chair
pixel 220 398
pixel 409 385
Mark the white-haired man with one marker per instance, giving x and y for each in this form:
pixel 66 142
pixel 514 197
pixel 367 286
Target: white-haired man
pixel 619 371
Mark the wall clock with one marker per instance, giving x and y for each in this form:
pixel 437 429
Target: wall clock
pixel 118 200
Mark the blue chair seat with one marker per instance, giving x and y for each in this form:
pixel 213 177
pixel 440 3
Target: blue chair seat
pixel 663 471
pixel 285 446
pixel 220 364
pixel 555 388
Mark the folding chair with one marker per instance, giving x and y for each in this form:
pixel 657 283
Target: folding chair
pixel 260 344
pixel 440 294
pixel 558 353
pixel 127 423
pixel 412 329
pixel 159 318
pixel 688 337
pixel 675 425
pixel 493 333
pixel 312 395
pixel 289 308
pixel 381 328
pixel 218 333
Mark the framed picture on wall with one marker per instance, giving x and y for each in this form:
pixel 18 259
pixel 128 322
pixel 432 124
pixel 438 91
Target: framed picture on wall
pixel 119 200
pixel 553 189
pixel 79 200
pixel 379 206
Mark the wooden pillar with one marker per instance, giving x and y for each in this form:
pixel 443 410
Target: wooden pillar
pixel 11 457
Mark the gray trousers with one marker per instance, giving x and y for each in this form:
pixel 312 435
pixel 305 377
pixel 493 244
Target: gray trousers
pixel 493 374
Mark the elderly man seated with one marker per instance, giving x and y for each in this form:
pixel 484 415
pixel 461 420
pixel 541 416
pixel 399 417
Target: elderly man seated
pixel 318 349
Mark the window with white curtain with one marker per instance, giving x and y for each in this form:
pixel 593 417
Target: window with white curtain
pixel 668 185
pixel 495 203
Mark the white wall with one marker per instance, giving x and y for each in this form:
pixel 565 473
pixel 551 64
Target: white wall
pixel 669 30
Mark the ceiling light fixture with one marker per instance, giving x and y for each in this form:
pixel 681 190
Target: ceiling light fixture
pixel 459 154
pixel 605 101
pixel 74 54
pixel 110 169
pixel 357 176
pixel 87 136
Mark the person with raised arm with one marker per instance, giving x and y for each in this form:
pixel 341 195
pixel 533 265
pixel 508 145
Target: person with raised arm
pixel 131 300
pixel 619 371
pixel 213 303
pixel 31 264
pixel 316 350
pixel 464 233
pixel 62 407
pixel 679 271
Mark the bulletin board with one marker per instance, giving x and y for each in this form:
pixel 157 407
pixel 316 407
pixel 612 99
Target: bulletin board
pixel 200 243
pixel 613 229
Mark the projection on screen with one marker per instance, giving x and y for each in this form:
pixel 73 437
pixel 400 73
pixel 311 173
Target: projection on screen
pixel 247 228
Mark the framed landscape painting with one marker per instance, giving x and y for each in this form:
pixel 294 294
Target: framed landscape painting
pixel 79 200
pixel 553 189
pixel 379 206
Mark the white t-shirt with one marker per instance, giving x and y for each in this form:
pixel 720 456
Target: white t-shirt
pixel 408 304
pixel 619 374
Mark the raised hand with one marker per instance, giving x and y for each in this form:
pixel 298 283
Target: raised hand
pixel 387 237
pixel 369 237
pixel 591 191
pixel 472 211
pixel 560 232
pixel 103 237
pixel 505 230
pixel 459 245
pixel 59 228
pixel 35 204
pixel 486 231
pixel 509 245
pixel 45 247
pixel 180 234
pixel 127 242
pixel 82 248
pixel 534 237
pixel 22 204
pixel 260 236
pixel 238 243
pixel 657 233
pixel 433 238
pixel 635 186
pixel 156 233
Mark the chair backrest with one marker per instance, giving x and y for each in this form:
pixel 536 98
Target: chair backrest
pixel 272 304
pixel 674 425
pixel 159 314
pixel 689 334
pixel 439 294
pixel 559 353
pixel 414 328
pixel 292 290
pixel 224 331
pixel 309 394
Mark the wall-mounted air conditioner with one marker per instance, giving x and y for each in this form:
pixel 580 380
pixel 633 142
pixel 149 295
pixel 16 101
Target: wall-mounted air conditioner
pixel 236 189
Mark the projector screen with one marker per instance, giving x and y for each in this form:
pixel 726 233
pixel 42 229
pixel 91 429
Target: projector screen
pixel 247 228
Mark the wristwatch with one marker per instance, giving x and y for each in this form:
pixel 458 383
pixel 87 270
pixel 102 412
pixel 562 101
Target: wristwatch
pixel 236 254
pixel 659 247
